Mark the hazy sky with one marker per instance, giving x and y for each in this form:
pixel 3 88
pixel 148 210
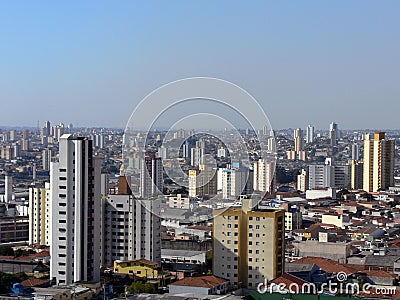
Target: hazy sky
pixel 91 62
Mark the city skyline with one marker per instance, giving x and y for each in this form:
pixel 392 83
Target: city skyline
pixel 304 62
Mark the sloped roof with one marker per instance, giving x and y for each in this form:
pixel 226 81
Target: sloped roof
pixel 208 281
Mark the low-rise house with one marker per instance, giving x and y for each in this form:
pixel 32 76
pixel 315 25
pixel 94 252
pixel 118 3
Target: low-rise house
pixel 141 268
pixel 201 285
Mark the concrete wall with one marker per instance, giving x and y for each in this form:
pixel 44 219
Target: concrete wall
pixel 335 251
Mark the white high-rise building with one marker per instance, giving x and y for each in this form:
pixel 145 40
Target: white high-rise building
pixel 98 140
pixel 75 212
pixel 132 229
pixel 264 176
pixel 196 156
pixel 39 214
pixel 8 188
pixel 321 176
pixel 310 134
pixel 302 181
pixel 233 183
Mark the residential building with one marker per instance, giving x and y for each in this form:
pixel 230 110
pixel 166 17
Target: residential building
pixel 39 214
pixel 310 134
pixel 75 212
pixel 248 244
pixel 233 182
pixel 333 133
pixel 264 175
pixel 179 201
pixel 298 139
pixel 302 181
pixel 46 159
pixel 321 176
pixel 203 181
pixel 199 286
pixel 378 163
pixel 142 268
pixel 151 176
pixel 131 229
pixel 356 174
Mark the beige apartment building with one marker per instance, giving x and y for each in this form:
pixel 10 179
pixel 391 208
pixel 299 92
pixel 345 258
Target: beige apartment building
pixel 378 163
pixel 248 244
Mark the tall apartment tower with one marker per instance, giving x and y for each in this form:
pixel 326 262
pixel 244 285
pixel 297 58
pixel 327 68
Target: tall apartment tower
pixel 356 174
pixel 75 212
pixel 196 156
pixel 310 134
pixel 302 181
pixel 298 139
pixel 132 228
pixel 378 163
pixel 321 176
pixel 333 133
pixel 264 176
pixel 203 181
pixel 46 159
pixel 8 188
pixel 151 176
pixel 248 244
pixel 355 152
pixel 233 183
pixel 39 214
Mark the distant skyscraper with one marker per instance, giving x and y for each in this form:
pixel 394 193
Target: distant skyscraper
pixel 310 134
pixel 265 130
pixel 355 152
pixel 46 159
pixel 197 155
pixel 203 181
pixel 378 163
pixel 45 131
pixel 13 135
pixel 298 139
pixel 333 133
pixel 8 188
pixel 233 183
pixel 302 181
pixel 264 176
pixel 25 140
pixel 75 212
pixel 151 176
pixel 25 134
pixel 321 176
pixel 356 174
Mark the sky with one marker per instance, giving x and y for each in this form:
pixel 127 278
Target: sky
pixel 306 62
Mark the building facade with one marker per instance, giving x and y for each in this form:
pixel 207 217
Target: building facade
pixel 39 214
pixel 378 163
pixel 248 244
pixel 75 212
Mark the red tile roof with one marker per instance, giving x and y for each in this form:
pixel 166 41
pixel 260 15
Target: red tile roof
pixel 379 273
pixel 288 279
pixel 327 265
pixel 34 282
pixel 207 281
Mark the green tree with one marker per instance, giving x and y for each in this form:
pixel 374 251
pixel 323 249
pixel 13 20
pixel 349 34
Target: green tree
pixel 6 282
pixel 6 251
pixel 140 287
